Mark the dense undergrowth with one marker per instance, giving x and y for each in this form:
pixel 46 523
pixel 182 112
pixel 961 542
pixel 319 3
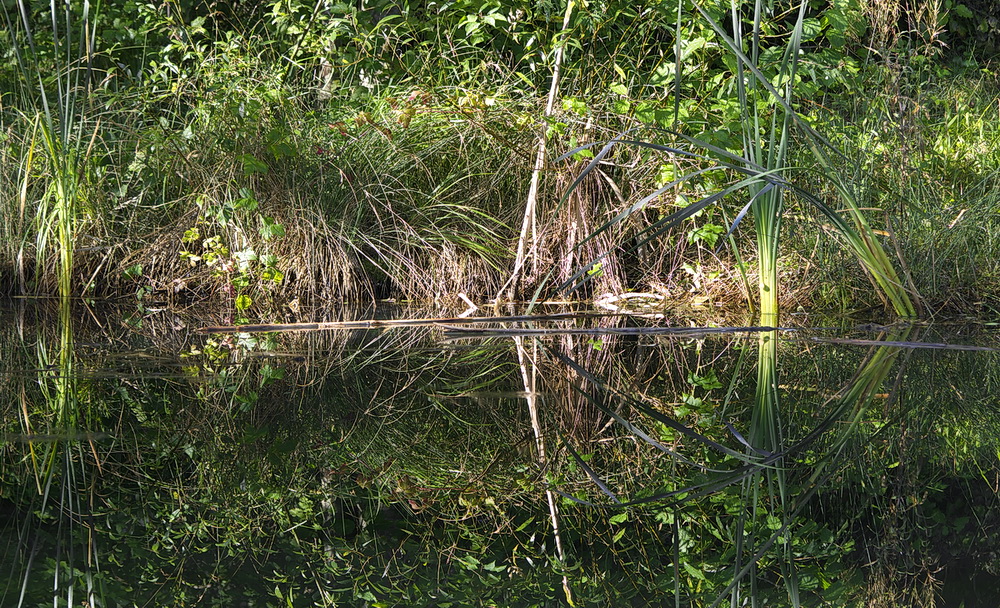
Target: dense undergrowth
pixel 316 153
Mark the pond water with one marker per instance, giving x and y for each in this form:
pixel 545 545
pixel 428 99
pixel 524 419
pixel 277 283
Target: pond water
pixel 586 461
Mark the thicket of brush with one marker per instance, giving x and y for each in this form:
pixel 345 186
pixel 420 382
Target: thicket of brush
pixel 197 150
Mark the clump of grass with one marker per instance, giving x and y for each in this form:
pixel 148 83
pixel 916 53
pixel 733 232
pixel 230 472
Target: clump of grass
pixel 921 154
pixel 429 196
pixel 407 194
pixel 51 116
pixel 411 188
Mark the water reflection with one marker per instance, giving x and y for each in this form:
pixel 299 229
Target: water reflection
pixel 143 465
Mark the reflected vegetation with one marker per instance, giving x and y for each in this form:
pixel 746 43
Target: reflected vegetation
pixel 528 464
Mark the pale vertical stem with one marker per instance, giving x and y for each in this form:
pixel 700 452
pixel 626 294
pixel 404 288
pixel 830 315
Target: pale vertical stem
pixel 768 272
pixel 529 225
pixel 531 396
pixel 65 195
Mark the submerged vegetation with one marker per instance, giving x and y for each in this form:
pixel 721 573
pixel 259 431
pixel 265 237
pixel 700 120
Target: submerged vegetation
pixel 314 153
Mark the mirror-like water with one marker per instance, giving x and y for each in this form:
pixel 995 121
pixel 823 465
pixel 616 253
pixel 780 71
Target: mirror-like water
pixel 579 461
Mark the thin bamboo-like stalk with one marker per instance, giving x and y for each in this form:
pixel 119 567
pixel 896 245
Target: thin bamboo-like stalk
pixel 529 377
pixel 390 323
pixel 529 228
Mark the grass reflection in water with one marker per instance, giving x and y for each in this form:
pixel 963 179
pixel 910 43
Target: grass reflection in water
pixel 423 467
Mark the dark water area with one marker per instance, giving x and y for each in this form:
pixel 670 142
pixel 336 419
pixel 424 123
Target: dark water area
pixel 586 461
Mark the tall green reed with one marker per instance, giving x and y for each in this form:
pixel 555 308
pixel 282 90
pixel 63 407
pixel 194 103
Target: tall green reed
pixel 768 151
pixel 766 95
pixel 775 499
pixel 55 76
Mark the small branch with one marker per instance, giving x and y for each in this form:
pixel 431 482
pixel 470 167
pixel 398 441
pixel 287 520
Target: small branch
pixel 529 227
pixel 384 323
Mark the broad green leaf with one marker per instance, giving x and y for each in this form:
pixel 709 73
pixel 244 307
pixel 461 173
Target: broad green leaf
pixel 251 165
pixel 695 572
pixel 270 229
pixel 811 29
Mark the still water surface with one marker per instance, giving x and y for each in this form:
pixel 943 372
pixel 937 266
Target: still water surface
pixel 591 461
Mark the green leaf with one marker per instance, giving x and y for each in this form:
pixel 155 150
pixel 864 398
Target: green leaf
pixel 845 21
pixel 709 234
pixel 281 150
pixel 252 165
pixel 696 573
pixel 272 274
pixel 689 47
pixel 811 29
pixel 269 374
pixel 645 112
pixel 223 214
pixel 243 302
pixel 133 272
pixel 270 229
pixel 244 258
pixel 572 104
pixel 247 200
pixel 622 106
pixel 708 381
